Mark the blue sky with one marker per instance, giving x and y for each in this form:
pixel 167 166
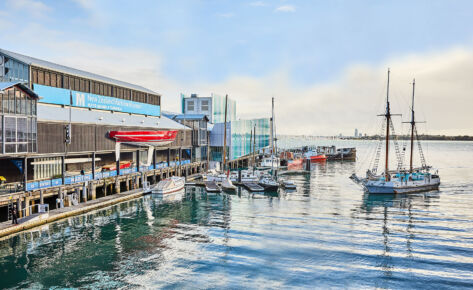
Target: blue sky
pixel 205 46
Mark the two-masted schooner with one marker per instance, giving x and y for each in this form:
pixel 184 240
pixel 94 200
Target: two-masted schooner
pixel 400 180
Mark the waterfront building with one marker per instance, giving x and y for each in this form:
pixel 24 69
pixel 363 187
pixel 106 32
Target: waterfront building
pixel 55 122
pixel 213 107
pixel 239 132
pixel 239 138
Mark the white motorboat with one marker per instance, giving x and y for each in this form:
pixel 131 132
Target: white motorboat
pixel 288 184
pixel 246 176
pixel 269 162
pixel 268 183
pixel 228 185
pixel 169 185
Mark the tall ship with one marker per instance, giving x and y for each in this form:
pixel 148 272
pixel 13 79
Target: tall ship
pixel 399 180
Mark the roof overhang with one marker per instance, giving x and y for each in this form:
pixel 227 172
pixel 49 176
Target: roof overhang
pixel 21 86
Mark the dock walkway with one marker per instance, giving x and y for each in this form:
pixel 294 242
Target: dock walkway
pixel 7 228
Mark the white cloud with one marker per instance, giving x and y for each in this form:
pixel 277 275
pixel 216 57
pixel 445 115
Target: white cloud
pixel 286 8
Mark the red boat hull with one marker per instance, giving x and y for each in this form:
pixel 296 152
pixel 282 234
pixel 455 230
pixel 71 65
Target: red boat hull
pixel 144 138
pixel 318 158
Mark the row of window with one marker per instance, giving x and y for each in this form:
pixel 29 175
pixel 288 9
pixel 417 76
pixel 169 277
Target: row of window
pixel 15 101
pixel 204 105
pixel 20 134
pixel 61 80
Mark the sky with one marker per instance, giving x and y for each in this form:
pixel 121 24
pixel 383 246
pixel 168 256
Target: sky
pixel 324 62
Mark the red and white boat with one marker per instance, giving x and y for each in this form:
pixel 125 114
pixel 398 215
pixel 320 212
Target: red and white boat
pixel 144 138
pixel 315 156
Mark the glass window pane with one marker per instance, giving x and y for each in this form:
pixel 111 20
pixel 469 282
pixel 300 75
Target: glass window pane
pixel 10 129
pixel 22 130
pixel 11 101
pixel 10 148
pixel 18 101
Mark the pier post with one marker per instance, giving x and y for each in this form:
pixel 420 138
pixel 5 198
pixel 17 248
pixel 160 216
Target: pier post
pixel 137 160
pixel 84 192
pixel 117 185
pixel 63 169
pixel 93 193
pixel 105 188
pixel 27 205
pixel 161 174
pixel 41 196
pixel 127 183
pixel 93 166
pixel 168 156
pixel 25 172
pixel 18 207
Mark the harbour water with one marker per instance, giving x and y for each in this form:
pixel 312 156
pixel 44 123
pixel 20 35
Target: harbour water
pixel 328 233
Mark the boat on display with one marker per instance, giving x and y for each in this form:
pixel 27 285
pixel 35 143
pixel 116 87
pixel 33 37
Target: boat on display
pixel 246 176
pixel 144 138
pixel 113 167
pixel 401 180
pixel 169 185
pixel 295 164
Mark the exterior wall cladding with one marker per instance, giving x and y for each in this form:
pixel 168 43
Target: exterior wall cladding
pixel 59 86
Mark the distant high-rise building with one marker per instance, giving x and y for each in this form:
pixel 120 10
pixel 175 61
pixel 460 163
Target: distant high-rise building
pixel 356 133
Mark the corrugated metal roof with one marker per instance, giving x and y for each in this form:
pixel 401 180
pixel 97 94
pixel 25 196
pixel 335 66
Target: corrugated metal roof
pixel 6 85
pixel 72 71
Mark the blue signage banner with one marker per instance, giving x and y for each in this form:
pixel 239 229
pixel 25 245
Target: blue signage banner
pixel 52 95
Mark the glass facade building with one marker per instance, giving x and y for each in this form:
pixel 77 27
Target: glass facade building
pixel 239 140
pixel 218 109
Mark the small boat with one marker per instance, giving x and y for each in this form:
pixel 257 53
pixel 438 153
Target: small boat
pixel 227 185
pixel 246 176
pixel 295 164
pixel 288 184
pixel 144 138
pixel 269 162
pixel 212 186
pixel 169 185
pixel 253 187
pixel 268 183
pixel 113 167
pixel 315 156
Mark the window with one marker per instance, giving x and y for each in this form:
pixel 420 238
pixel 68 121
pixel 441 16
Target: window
pixel 41 77
pixel 10 129
pixel 35 76
pixel 190 105
pixel 205 105
pixel 65 82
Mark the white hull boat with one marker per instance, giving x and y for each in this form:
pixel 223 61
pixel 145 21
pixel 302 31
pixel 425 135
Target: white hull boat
pixel 169 185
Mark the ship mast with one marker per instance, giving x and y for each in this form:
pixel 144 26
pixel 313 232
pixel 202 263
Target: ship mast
pixel 413 124
pixel 388 121
pixel 225 135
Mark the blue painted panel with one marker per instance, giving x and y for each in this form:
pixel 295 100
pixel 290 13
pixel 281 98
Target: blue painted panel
pixel 87 177
pixel 44 183
pixel 56 182
pixel 78 178
pixel 151 167
pixel 98 175
pixel 32 185
pixel 105 174
pixel 112 173
pixel 60 96
pixel 133 169
pixel 125 171
pixel 68 180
